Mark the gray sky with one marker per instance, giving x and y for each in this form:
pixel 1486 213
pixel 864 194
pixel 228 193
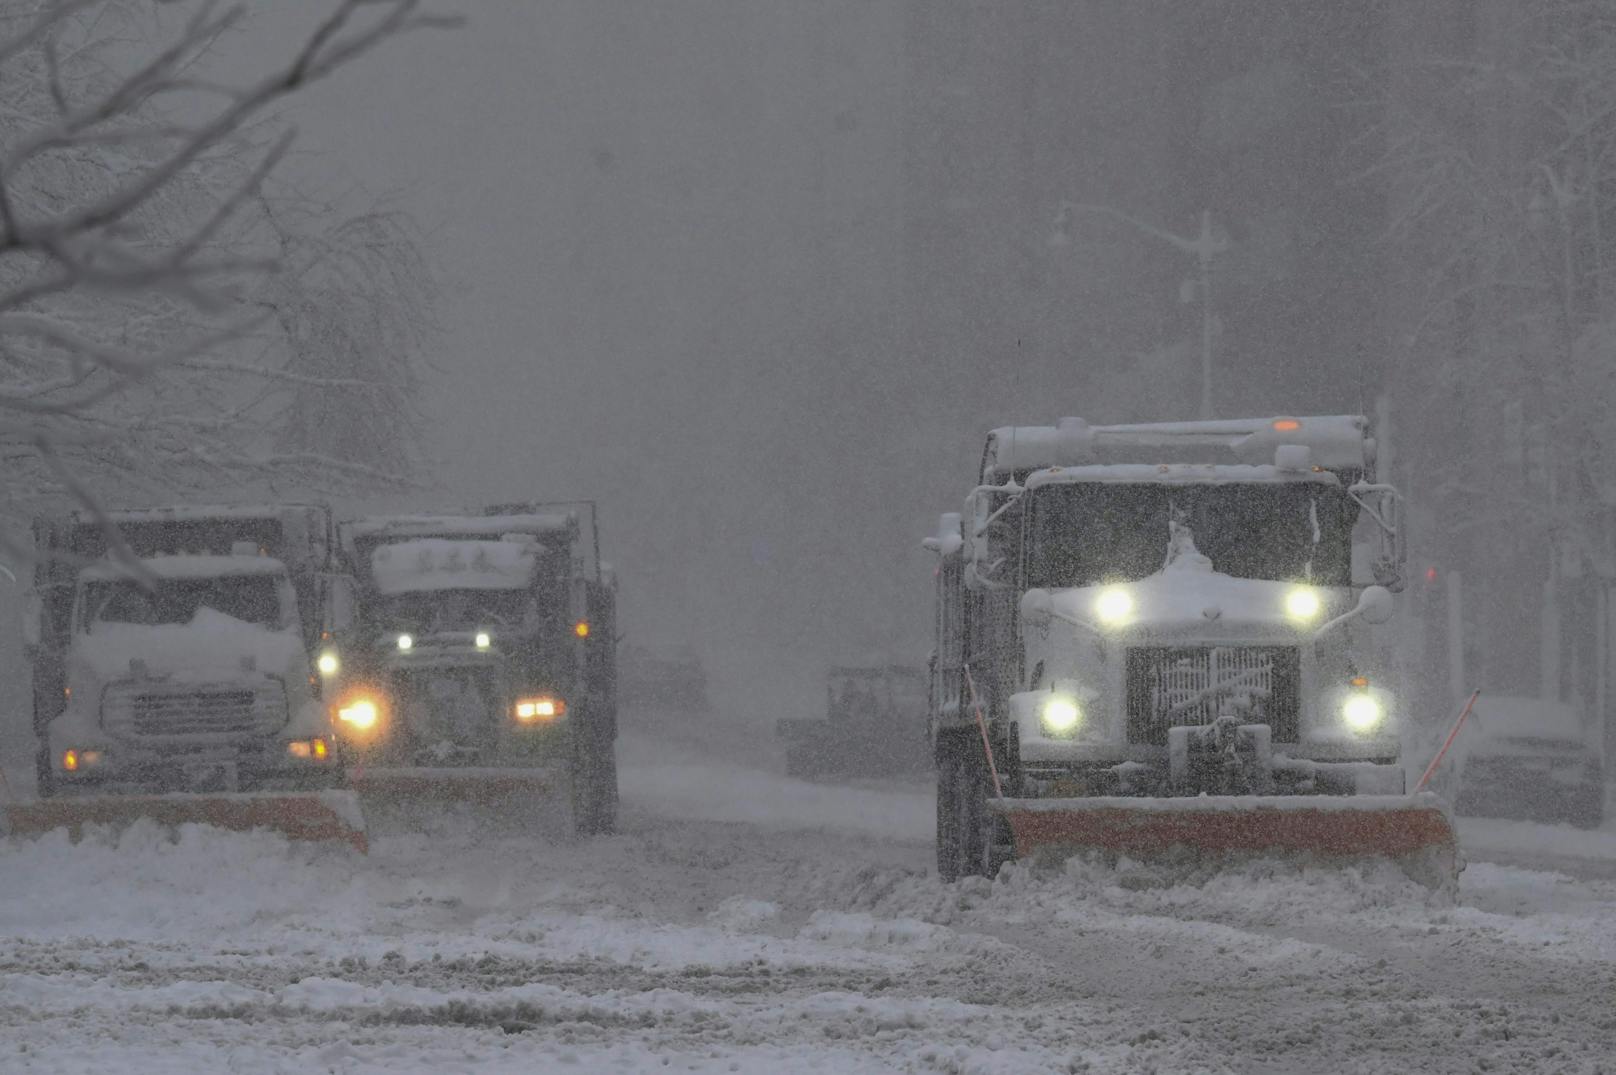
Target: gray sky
pixel 669 238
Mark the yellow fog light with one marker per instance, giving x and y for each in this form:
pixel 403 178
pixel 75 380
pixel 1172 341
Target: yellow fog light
pixel 73 759
pixel 1362 712
pixel 1113 605
pixel 328 663
pixel 1302 604
pixel 406 642
pixel 308 748
pixel 1061 715
pixel 483 640
pixel 361 713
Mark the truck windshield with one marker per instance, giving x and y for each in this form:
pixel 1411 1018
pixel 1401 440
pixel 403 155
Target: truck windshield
pixel 1083 534
pixel 433 611
pixel 249 598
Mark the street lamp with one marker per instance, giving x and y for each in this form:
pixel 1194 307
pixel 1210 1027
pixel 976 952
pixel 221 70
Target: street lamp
pixel 1204 247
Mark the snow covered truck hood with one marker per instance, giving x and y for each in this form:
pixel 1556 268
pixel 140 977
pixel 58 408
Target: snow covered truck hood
pixel 210 648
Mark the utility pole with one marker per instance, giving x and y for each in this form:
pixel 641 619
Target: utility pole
pixel 1205 247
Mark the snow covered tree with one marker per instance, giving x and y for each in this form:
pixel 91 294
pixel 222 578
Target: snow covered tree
pixel 1499 167
pixel 158 326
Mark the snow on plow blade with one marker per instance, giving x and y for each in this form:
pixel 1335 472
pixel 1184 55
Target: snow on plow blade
pixel 480 786
pixel 316 815
pixel 1413 831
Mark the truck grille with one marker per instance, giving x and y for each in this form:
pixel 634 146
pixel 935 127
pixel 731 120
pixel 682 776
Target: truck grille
pixel 1168 687
pixel 190 712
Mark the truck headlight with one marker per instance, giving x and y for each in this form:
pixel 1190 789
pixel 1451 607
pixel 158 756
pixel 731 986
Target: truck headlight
pixel 328 663
pixel 1060 715
pixel 483 640
pixel 1113 605
pixel 1302 604
pixel 544 707
pixel 1362 712
pixel 362 713
pixel 406 641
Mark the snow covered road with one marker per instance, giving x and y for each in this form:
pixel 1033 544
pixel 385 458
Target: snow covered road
pixel 801 933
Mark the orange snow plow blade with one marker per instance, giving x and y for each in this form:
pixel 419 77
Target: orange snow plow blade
pixel 1413 831
pixel 316 815
pixel 486 787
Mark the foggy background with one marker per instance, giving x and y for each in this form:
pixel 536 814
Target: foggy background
pixel 758 277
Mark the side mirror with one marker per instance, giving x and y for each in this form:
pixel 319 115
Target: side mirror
pixel 339 603
pixel 1390 564
pixel 33 620
pixel 1037 608
pixel 1376 604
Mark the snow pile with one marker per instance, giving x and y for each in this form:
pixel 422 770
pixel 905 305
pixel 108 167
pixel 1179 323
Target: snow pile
pixel 743 913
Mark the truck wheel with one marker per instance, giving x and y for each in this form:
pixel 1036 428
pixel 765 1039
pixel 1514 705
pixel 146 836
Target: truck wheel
pixel 948 849
pixel 594 782
pixel 44 777
pixel 962 816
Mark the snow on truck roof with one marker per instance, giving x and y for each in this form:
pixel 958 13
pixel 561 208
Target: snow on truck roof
pixel 182 566
pixel 197 512
pixel 1333 442
pixel 559 524
pixel 433 564
pixel 1179 474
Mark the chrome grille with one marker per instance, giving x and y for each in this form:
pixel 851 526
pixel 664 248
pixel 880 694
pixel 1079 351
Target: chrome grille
pixel 186 711
pixel 1170 687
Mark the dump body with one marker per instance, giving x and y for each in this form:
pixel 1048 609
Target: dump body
pixel 874 725
pixel 481 654
pixel 1165 612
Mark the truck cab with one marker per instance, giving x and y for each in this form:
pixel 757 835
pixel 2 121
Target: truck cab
pixel 479 642
pixel 182 662
pixel 1172 610
pixel 465 642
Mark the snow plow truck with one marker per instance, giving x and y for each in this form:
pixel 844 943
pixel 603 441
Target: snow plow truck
pixel 1166 642
pixel 173 672
pixel 874 726
pixel 480 662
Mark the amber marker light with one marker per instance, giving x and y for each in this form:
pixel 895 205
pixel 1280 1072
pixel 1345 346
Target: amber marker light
pixel 1286 425
pixel 541 708
pixel 70 761
pixel 581 629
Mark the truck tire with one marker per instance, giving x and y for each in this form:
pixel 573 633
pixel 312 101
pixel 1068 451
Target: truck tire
pixel 972 841
pixel 44 776
pixel 594 780
pixel 962 817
